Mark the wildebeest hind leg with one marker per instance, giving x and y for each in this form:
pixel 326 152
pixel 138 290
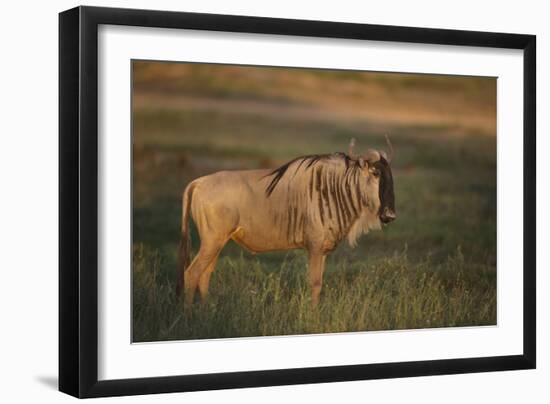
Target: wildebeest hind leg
pixel 206 256
pixel 204 279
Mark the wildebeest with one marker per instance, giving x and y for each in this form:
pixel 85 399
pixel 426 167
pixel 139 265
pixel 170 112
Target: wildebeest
pixel 312 202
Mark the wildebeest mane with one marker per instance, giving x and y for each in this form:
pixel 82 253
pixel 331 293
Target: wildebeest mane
pixel 309 161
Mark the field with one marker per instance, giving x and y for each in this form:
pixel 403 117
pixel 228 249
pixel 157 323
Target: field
pixel 435 266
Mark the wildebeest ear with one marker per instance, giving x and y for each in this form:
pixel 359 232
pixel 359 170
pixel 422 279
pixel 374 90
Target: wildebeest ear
pixel 372 156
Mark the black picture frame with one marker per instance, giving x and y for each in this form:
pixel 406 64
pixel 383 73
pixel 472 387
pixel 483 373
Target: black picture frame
pixel 78 201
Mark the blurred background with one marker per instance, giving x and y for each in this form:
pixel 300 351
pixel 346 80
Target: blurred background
pixel 435 266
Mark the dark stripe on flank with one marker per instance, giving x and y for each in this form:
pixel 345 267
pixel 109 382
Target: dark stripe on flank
pixel 334 194
pixel 311 184
pixel 320 194
pixel 359 193
pixel 349 196
pixel 292 213
pixel 326 195
pixel 346 210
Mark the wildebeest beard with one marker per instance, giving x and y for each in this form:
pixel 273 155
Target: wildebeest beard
pixel 385 186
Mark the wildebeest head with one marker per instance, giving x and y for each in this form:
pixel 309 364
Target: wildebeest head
pixel 380 179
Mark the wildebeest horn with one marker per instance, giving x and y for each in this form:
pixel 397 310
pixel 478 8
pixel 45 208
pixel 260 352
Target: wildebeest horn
pixel 351 147
pixel 390 147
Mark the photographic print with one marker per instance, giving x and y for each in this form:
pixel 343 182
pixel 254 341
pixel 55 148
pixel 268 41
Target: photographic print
pixel 271 201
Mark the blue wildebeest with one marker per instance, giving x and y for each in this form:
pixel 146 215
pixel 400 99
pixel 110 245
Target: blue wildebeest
pixel 312 202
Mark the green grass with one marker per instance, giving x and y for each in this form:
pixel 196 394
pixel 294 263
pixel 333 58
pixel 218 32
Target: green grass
pixel 435 266
pixel 251 297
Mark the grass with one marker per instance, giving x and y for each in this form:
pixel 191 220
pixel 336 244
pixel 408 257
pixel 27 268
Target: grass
pixel 251 297
pixel 433 267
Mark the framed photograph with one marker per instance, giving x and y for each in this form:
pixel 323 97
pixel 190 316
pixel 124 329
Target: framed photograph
pixel 251 201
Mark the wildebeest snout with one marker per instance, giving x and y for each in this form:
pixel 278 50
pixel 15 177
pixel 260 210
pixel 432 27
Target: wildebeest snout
pixel 388 215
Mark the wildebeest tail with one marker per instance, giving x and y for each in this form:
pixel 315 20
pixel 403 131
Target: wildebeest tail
pixel 184 250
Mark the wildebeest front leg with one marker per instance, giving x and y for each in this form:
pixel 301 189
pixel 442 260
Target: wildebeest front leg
pixel 315 274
